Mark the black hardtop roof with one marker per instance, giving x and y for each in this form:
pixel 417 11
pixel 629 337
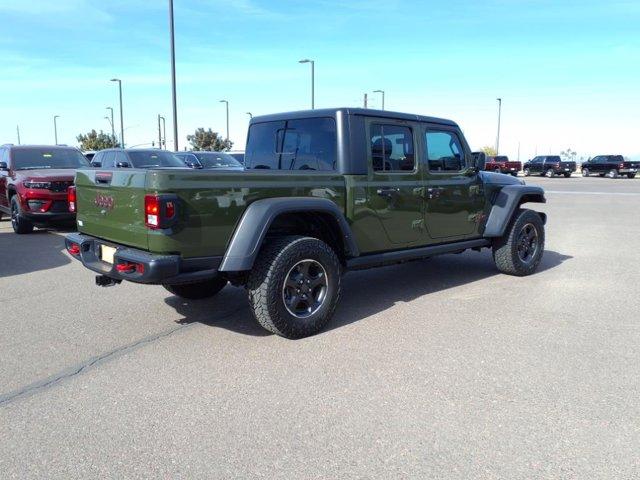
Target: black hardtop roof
pixel 29 147
pixel 332 112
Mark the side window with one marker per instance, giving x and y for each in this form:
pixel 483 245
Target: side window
pixel 391 148
pixel 444 152
pixel 262 146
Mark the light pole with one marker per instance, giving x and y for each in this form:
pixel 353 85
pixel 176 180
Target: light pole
pixel 18 132
pixel 226 102
pixel 55 127
pixel 365 100
pixel 498 135
pixel 162 132
pixel 313 80
pixel 250 115
pixel 382 92
pixel 159 133
pixel 173 79
pixel 113 131
pixel 121 121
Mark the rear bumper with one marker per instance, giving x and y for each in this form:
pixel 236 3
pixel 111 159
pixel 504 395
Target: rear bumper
pixel 628 170
pixel 49 217
pixel 157 269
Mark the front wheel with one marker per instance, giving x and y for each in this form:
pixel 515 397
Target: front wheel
pixel 198 290
pixel 519 251
pixel 20 224
pixel 567 175
pixel 294 286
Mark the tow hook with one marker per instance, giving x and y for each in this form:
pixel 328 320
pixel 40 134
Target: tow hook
pixel 104 281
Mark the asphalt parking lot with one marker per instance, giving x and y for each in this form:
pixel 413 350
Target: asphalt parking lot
pixel 440 368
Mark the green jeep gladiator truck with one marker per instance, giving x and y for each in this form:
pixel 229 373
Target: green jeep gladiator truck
pixel 324 192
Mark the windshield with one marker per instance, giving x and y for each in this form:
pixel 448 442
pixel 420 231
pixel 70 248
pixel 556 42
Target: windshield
pixel 216 160
pixel 36 158
pixel 154 158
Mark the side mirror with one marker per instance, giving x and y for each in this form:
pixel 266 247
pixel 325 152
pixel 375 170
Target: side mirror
pixel 123 165
pixel 479 160
pixel 4 166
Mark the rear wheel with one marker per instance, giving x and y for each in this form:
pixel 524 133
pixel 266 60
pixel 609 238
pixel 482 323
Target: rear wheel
pixel 19 223
pixel 526 172
pixel 631 175
pixel 548 173
pixel 585 172
pixel 612 174
pixel 294 286
pixel 519 251
pixel 198 290
pixel 567 175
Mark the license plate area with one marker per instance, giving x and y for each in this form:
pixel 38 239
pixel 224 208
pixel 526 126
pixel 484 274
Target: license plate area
pixel 107 253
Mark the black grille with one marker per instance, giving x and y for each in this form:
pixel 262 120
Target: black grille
pixel 60 186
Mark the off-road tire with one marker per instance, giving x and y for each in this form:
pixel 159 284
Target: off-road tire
pixel 505 248
pixel 198 290
pixel 265 285
pixel 20 224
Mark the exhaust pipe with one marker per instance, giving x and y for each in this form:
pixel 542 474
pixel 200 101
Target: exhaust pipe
pixel 104 281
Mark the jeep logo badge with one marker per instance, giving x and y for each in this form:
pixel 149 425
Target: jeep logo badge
pixel 104 201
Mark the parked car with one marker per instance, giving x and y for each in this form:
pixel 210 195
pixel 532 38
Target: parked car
pixel 33 184
pixel 549 166
pixel 501 164
pixel 610 165
pixel 135 158
pixel 238 155
pixel 331 190
pixel 208 160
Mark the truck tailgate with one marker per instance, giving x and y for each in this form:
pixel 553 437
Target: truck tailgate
pixel 111 205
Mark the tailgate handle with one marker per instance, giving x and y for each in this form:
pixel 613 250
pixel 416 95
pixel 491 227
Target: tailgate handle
pixel 104 177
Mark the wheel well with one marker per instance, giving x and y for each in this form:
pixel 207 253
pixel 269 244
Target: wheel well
pixel 321 225
pixel 531 198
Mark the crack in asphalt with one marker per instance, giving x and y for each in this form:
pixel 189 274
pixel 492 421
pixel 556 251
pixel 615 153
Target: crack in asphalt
pixel 70 372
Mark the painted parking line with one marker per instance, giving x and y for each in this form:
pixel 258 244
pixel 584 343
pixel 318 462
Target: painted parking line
pixel 575 192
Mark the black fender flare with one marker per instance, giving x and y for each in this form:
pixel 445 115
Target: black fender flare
pixel 506 203
pixel 255 222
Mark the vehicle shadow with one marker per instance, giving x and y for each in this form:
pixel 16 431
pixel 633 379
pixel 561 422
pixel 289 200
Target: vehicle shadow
pixel 365 292
pixel 40 250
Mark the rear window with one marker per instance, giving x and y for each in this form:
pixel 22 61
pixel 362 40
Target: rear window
pixel 37 158
pixel 305 144
pixel 154 158
pixel 501 158
pixel 616 158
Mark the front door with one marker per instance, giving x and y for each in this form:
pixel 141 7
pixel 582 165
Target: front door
pixel 455 197
pixel 395 187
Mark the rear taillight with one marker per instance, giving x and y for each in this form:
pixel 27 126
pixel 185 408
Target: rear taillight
pixel 73 248
pixel 71 198
pixel 159 211
pixel 130 267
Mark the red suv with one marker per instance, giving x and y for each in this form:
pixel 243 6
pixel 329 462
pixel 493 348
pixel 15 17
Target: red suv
pixel 34 182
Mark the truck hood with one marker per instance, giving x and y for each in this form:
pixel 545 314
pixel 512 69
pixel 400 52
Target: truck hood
pixel 499 179
pixel 47 174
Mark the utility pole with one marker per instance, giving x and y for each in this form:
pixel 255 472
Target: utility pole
pixel 55 127
pixel 18 132
pixel 498 135
pixel 226 102
pixel 365 100
pixel 121 116
pixel 173 78
pixel 113 131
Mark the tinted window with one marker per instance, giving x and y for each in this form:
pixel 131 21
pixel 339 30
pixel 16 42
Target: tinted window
pixel 444 152
pixel 34 158
pixel 502 158
pixel 121 158
pixel 108 161
pixel 553 159
pixel 153 158
pixel 305 144
pixel 616 158
pixel 391 148
pixel 216 160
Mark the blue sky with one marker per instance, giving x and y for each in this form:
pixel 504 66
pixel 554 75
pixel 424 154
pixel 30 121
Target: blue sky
pixel 568 71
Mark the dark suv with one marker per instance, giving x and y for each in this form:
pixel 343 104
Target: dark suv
pixel 549 166
pixel 34 182
pixel 135 158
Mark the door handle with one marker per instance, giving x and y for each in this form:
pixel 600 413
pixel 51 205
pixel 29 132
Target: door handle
pixel 434 192
pixel 387 192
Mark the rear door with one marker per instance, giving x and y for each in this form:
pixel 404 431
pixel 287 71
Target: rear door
pixel 395 188
pixel 455 198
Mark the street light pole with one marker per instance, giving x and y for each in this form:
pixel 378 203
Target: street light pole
pixel 121 120
pixel 173 78
pixel 498 135
pixel 365 100
pixel 313 80
pixel 226 102
pixel 164 132
pixel 250 115
pixel 55 127
pixel 18 132
pixel 159 133
pixel 382 92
